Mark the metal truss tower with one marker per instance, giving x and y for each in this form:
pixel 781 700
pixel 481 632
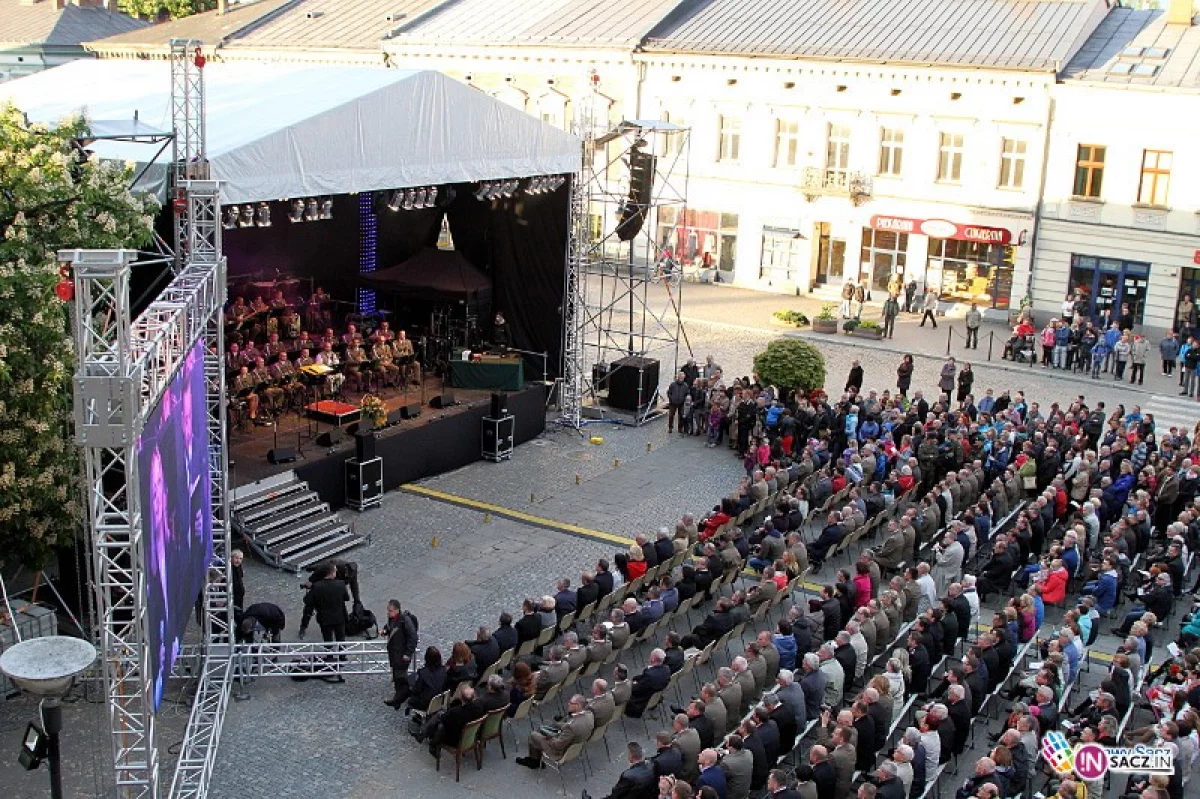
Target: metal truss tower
pixel 623 287
pixel 190 158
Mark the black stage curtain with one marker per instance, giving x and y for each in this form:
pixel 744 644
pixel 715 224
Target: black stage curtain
pixel 523 240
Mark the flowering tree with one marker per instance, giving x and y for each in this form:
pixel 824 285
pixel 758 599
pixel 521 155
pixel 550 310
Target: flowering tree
pixel 51 197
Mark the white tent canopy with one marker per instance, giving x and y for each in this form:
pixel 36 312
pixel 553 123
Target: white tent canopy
pixel 279 131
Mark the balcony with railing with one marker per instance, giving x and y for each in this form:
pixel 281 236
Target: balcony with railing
pixel 822 182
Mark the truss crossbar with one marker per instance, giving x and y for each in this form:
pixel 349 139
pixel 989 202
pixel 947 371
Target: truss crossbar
pixel 195 765
pixel 301 658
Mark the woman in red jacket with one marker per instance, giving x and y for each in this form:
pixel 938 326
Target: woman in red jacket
pixel 1054 588
pixel 637 563
pixel 862 585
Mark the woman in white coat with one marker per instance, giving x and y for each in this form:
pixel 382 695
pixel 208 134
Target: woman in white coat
pixel 949 562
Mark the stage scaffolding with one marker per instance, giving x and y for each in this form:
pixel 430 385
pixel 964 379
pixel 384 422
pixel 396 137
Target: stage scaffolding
pixel 623 291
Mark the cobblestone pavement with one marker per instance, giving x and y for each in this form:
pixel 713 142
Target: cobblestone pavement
pixel 339 740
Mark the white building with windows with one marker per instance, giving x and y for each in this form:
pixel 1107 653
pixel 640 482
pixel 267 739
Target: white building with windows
pixel 1120 221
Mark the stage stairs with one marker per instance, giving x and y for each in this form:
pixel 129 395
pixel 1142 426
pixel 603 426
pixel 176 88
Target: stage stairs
pixel 287 524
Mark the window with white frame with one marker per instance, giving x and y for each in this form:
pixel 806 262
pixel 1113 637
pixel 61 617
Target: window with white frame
pixel 1012 163
pixel 787 142
pixel 891 152
pixel 950 157
pixel 784 256
pixel 837 149
pixel 731 139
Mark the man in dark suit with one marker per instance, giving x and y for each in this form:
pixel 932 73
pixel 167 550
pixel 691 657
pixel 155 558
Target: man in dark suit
pixel 401 632
pixel 824 775
pixel 669 759
pixel 830 535
pixel 529 626
pixel 715 624
pixel 564 599
pixel 865 725
pixel 960 713
pixel 784 719
pixel 699 722
pixel 636 782
pixel 505 634
pixel 327 598
pixel 777 787
pixel 663 546
pixel 588 591
pixel 674 650
pixel 710 773
pixel 484 649
pixel 655 678
pixel 604 578
pixel 450 726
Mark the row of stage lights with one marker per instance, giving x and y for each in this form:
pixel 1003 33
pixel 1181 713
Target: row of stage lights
pixel 252 215
pixel 420 198
pixel 495 189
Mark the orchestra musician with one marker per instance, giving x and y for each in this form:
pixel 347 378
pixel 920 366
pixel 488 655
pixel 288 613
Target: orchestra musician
pixel 384 332
pixel 356 370
pixel 305 358
pixel 327 357
pixel 238 312
pixel 329 337
pixel 383 359
pixel 289 323
pixel 235 360
pixel 278 302
pixel 258 306
pixel 243 386
pixel 351 335
pixel 286 378
pixel 403 348
pixel 273 347
pixel 262 376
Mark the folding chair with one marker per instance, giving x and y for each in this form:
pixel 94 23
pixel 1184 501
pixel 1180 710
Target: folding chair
pixel 467 742
pixel 493 729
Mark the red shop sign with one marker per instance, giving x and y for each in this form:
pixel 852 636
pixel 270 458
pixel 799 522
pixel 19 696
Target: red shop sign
pixel 942 229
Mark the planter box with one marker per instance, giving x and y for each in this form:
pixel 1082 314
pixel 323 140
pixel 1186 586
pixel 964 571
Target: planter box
pixel 871 334
pixel 825 325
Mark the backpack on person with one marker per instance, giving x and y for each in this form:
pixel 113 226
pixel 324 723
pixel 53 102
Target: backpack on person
pixel 361 622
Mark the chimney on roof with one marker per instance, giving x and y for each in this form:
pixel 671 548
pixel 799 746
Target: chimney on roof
pixel 222 6
pixel 1180 12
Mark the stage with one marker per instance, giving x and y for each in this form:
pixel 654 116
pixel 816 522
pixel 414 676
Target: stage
pixel 437 441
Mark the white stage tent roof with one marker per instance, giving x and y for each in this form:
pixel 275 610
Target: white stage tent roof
pixel 279 131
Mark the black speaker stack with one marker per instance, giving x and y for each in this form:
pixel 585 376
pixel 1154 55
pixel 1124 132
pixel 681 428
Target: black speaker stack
pixel 498 430
pixel 632 382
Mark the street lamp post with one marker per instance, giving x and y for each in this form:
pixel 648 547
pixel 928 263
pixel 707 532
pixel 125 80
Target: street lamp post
pixel 46 667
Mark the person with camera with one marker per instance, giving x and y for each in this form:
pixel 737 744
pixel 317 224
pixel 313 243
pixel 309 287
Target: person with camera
pixel 327 598
pixel 401 632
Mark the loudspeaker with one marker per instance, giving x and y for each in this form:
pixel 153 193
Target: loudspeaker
pixel 410 411
pixel 364 445
pixel 361 426
pixel 631 382
pixel 499 404
pixel 281 455
pixel 641 192
pixel 331 438
pixel 364 483
pixel 443 400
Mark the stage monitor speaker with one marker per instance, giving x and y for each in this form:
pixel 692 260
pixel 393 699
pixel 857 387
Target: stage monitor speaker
pixel 410 411
pixel 364 445
pixel 641 193
pixel 331 438
pixel 443 400
pixel 631 383
pixel 364 483
pixel 499 405
pixel 281 455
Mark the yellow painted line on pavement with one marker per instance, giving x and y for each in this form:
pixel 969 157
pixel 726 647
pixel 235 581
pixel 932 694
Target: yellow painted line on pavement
pixel 516 515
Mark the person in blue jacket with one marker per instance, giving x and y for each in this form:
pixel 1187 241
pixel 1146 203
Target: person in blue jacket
pixel 1104 587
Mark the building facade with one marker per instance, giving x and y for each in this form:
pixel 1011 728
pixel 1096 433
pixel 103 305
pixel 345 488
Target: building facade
pixel 1120 220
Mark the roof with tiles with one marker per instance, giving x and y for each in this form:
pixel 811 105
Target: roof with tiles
pixel 1016 34
pixel 24 23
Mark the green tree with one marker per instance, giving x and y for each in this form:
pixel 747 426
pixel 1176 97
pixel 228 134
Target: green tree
pixel 150 9
pixel 51 197
pixel 791 364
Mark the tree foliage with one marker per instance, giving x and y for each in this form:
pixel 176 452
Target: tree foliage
pixel 791 364
pixel 51 197
pixel 151 9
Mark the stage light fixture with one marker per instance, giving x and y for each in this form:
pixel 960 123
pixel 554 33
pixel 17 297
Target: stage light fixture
pixel 246 218
pixel 231 217
pixel 394 202
pixel 419 198
pixel 262 216
pixel 409 199
pixel 431 199
pixel 311 212
pixel 327 208
pixel 480 191
pixel 296 214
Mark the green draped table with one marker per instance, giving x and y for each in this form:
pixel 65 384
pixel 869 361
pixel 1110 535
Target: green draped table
pixel 490 374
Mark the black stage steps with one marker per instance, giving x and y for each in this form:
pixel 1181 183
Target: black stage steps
pixel 287 524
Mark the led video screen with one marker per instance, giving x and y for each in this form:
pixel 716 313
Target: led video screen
pixel 173 485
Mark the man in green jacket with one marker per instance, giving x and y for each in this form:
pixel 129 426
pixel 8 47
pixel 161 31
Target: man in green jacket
pixel 974 317
pixel 891 309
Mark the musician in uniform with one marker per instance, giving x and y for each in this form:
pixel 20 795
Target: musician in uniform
pixel 278 302
pixel 235 360
pixel 262 375
pixel 383 359
pixel 327 357
pixel 350 335
pixel 251 353
pixel 305 358
pixel 356 358
pixel 404 356
pixel 238 312
pixel 329 337
pixel 273 347
pixel 316 314
pixel 245 382
pixel 384 332
pixel 304 342
pixel 289 324
pixel 285 377
pixel 258 306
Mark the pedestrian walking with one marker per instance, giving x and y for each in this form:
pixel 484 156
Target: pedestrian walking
pixel 904 375
pixel 1168 350
pixel 974 318
pixel 1139 351
pixel 946 380
pixel 930 307
pixel 910 293
pixel 860 299
pixel 891 309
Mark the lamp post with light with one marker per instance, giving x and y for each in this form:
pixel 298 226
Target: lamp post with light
pixel 46 667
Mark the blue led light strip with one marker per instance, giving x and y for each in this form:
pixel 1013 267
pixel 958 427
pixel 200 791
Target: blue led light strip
pixel 368 230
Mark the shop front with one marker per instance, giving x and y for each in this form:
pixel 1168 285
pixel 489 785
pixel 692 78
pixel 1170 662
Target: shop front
pixel 965 263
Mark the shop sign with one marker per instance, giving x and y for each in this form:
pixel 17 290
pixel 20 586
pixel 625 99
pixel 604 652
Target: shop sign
pixel 943 229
